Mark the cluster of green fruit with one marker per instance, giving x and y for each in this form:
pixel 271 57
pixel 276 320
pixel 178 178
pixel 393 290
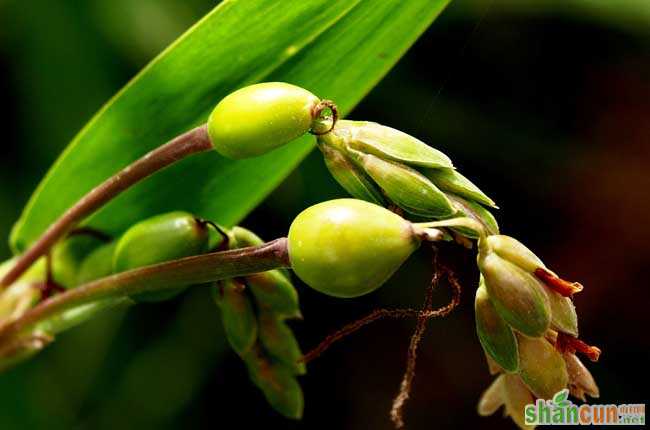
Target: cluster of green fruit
pixel 525 317
pixel 406 193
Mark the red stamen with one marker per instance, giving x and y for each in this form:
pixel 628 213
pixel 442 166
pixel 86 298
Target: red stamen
pixel 559 285
pixel 568 343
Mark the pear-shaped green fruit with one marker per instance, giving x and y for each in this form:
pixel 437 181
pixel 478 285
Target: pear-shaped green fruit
pixel 258 118
pixel 347 247
pixel 157 239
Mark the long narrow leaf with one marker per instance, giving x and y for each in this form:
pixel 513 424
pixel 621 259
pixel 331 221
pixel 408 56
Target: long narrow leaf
pixel 337 49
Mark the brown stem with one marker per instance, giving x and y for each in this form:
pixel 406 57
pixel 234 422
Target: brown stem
pixel 198 269
pixel 196 140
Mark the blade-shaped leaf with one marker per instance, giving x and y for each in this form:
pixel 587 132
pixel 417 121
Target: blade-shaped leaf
pixel 336 49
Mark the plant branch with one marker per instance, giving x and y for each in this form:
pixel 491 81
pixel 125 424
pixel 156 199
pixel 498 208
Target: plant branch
pixel 172 274
pixel 191 142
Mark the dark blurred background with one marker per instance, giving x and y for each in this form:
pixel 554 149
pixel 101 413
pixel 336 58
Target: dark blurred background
pixel 545 104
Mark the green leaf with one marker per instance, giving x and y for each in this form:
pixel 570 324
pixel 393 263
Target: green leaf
pixel 336 49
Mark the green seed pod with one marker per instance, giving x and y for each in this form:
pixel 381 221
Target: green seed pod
pixel 541 367
pixel 405 187
pixel 387 143
pixel 476 212
pixel 349 176
pixel 273 292
pixel 492 398
pixel 563 314
pixel 258 118
pixel 495 334
pixel 518 296
pixel 157 239
pixel 347 247
pixel 517 396
pixel 80 314
pixel 237 315
pixel 453 182
pixel 280 343
pixel 97 264
pixel 278 384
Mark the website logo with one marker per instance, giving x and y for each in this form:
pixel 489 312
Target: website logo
pixel 562 411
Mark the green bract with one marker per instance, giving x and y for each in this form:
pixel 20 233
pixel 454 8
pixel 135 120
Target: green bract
pixel 157 239
pixel 237 315
pixel 517 295
pixel 495 334
pixel 542 367
pixel 347 247
pixel 258 118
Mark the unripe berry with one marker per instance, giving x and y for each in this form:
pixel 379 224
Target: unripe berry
pixel 258 118
pixel 155 240
pixel 348 247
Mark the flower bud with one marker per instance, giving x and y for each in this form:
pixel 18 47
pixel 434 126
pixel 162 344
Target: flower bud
pixel 517 396
pixel 514 251
pixel 280 343
pixel 405 187
pixel 278 384
pixel 451 181
pixel 517 296
pixel 495 334
pixel 347 247
pixel 23 293
pixel 541 367
pixel 258 118
pixel 237 315
pixel 349 176
pixel 476 212
pixel 157 239
pixel 386 143
pixel 492 398
pixel 274 292
pixel 581 382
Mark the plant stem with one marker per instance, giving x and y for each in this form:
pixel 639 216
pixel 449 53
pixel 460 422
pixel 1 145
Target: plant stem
pixel 172 274
pixel 191 142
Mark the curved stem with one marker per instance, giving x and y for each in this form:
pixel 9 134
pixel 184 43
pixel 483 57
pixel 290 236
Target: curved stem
pixel 191 142
pixel 455 222
pixel 172 274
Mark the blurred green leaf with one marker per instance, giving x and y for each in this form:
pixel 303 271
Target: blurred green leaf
pixel 336 49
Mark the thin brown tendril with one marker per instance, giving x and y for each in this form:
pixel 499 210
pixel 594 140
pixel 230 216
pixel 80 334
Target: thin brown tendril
pixel 422 315
pixel 396 412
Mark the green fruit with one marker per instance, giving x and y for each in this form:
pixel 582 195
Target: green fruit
pixel 495 334
pixel 237 315
pixel 258 118
pixel 347 247
pixel 155 240
pixel 97 264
